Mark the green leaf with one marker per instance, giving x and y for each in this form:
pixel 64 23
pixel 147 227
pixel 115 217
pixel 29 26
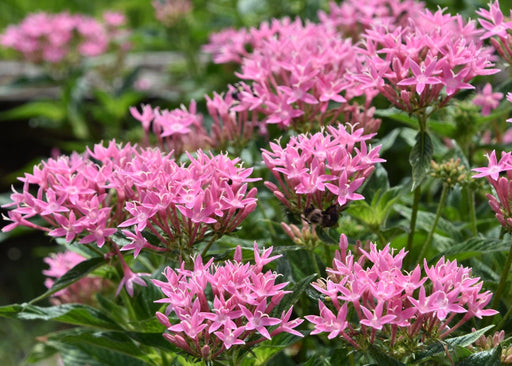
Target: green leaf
pixel 451 343
pixel 381 358
pixel 113 341
pixel 476 246
pixel 376 213
pixel 468 339
pixel 74 274
pixel 40 352
pixel 490 357
pixel 261 354
pixel 10 311
pixel 52 110
pixel 420 158
pixel 76 314
pixel 447 233
pixel 318 360
pixel 153 340
pixel 297 290
pixel 84 354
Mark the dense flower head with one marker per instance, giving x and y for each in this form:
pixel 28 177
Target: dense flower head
pixel 499 174
pixel 63 37
pixel 425 63
pixel 217 306
pixel 233 124
pixel 177 130
pixel 391 303
pixel 321 170
pixel 497 28
pixel 88 197
pixel 353 17
pixel 298 73
pixel 82 291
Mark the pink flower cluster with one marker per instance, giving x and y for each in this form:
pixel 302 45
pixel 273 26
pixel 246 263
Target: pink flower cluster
pixel 177 130
pixel 81 291
pixel 169 12
pixel 353 17
pixel 298 74
pixel 502 183
pixel 487 99
pixel 390 303
pixel 217 307
pixel 321 170
pixel 63 37
pixel 426 62
pixel 88 196
pixel 233 124
pixel 497 29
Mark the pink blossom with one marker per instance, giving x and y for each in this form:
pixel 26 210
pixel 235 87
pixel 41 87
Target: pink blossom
pixel 321 170
pixel 390 302
pixel 487 99
pixel 241 307
pixel 62 37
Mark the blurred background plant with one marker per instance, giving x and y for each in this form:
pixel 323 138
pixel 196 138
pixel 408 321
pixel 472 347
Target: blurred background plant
pixel 44 111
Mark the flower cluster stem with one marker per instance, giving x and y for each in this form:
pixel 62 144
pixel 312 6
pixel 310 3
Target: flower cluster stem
pixel 472 213
pixel 503 280
pixel 414 215
pixel 425 246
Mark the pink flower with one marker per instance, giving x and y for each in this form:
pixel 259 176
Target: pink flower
pixel 487 99
pixel 422 76
pixel 322 170
pixel 374 287
pixel 243 298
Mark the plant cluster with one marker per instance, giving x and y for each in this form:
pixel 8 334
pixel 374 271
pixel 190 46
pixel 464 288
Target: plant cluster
pixel 344 141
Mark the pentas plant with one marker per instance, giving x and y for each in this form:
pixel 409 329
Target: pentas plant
pixel 65 38
pixel 234 123
pixel 215 308
pixel 424 64
pixel 321 171
pixel 398 311
pixel 352 18
pixel 499 174
pixel 298 74
pixel 87 198
pixel 177 130
pixel 497 28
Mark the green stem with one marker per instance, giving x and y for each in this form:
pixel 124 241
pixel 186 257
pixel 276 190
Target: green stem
pixel 503 279
pixel 412 225
pixel 444 193
pixel 471 200
pixel 504 320
pixel 207 247
pixel 314 261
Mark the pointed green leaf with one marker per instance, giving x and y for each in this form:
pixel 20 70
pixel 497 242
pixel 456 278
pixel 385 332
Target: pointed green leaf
pixel 420 158
pixel 381 358
pixel 10 311
pixel 467 339
pixel 113 341
pixel 490 357
pixel 74 274
pixel 76 314
pixel 291 298
pixel 476 246
pixel 83 354
pixel 52 110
